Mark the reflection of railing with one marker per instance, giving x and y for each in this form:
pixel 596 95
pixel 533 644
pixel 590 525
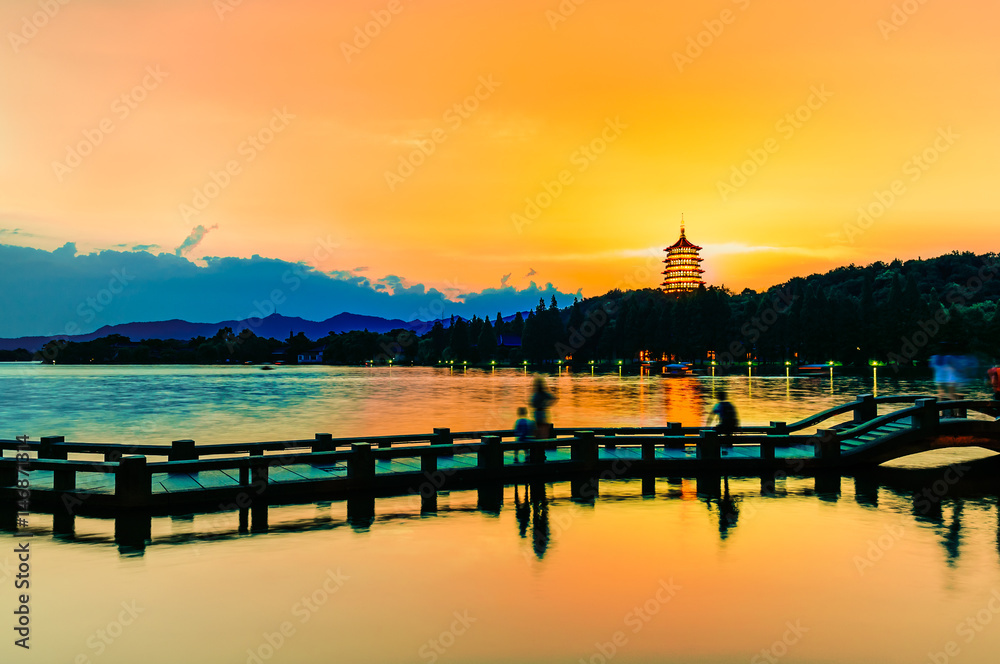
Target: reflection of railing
pixel 287 471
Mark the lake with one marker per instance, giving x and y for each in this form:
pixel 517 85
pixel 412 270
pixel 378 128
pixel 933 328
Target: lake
pixel 902 565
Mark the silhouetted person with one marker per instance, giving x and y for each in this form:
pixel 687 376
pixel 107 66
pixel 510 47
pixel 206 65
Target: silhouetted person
pixel 541 399
pixel 945 376
pixel 725 413
pixel 523 430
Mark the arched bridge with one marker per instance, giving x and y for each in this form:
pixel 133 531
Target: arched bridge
pixel 64 478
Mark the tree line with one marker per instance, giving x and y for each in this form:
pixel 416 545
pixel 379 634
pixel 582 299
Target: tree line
pixel 898 313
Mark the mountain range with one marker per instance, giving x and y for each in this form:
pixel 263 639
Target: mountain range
pixel 275 325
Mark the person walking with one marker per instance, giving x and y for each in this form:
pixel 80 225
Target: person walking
pixel 724 413
pixel 541 399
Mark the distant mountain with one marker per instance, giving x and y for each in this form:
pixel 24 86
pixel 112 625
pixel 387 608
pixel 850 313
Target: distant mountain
pixel 275 325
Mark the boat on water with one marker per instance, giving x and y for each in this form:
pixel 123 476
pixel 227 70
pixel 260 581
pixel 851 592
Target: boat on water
pixel 678 370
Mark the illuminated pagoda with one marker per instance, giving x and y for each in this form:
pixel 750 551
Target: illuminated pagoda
pixel 682 274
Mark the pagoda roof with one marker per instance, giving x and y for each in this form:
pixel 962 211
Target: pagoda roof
pixel 683 243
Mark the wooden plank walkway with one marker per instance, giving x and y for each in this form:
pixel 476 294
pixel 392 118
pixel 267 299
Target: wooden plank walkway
pixel 210 476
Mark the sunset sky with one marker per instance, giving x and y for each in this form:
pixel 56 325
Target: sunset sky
pixel 120 120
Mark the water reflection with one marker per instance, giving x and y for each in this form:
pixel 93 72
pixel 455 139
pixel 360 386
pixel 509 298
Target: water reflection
pixel 729 512
pixel 230 404
pixel 934 500
pixel 532 513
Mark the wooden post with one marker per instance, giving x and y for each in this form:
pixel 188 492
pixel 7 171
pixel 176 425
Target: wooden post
pixel 182 450
pixel 778 429
pixel 428 463
pixel 865 409
pixel 709 448
pixel 767 450
pixel 648 453
pixel 676 440
pixel 361 465
pixel 113 456
pixel 490 457
pixel 8 472
pixel 133 482
pixel 583 450
pixel 64 479
pixel 826 445
pixel 47 448
pixel 543 431
pixel 609 441
pixel 928 417
pixel 258 478
pixel 536 453
pixel 324 443
pixel 443 437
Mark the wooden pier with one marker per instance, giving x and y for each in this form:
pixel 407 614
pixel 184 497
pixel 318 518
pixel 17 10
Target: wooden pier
pixel 69 478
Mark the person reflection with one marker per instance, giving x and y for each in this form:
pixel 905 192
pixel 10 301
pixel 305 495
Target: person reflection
pixel 522 511
pixel 539 522
pixel 729 511
pixel 952 539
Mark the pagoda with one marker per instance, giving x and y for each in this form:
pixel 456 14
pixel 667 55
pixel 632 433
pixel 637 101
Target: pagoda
pixel 682 274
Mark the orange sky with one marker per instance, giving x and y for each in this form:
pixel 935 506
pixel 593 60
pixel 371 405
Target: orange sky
pixel 610 75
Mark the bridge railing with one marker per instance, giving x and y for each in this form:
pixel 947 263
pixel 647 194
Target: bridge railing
pixel 864 408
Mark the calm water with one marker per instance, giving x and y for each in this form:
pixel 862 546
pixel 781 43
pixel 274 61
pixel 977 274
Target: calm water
pixel 871 570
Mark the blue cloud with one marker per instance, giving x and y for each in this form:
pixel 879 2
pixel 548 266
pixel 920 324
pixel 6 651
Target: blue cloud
pixel 60 292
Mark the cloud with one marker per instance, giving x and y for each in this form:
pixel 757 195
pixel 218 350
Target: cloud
pixel 145 247
pixel 363 268
pixel 531 272
pixel 198 233
pixel 86 292
pixel 504 278
pixel 68 250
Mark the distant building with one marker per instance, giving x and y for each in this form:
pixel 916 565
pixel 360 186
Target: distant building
pixel 314 356
pixel 682 273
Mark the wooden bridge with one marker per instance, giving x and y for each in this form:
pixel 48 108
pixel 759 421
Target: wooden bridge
pixel 67 478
